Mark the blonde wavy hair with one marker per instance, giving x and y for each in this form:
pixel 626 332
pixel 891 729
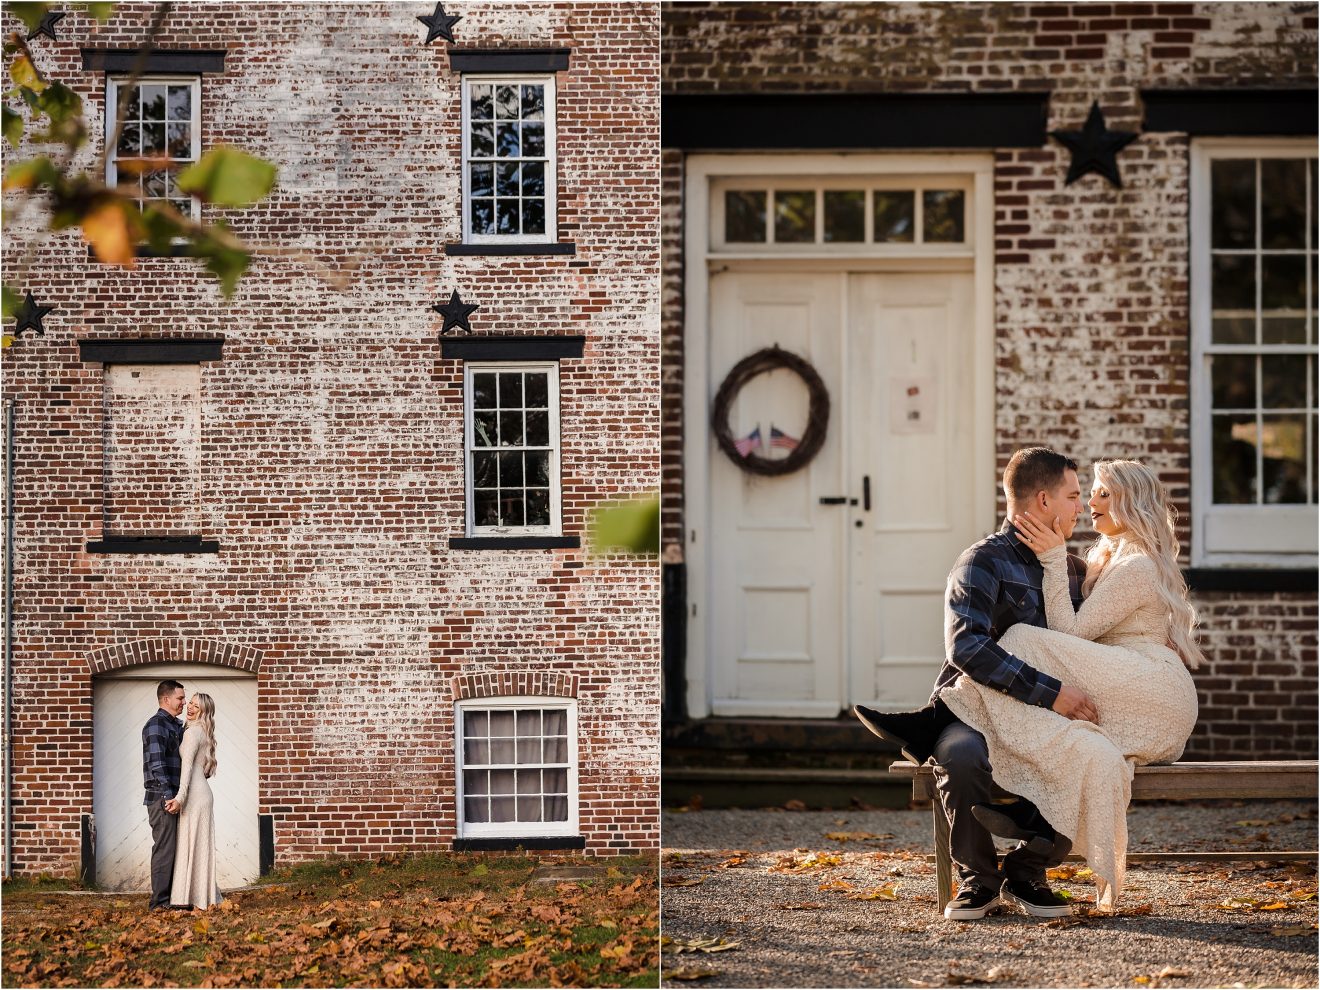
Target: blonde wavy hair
pixel 206 720
pixel 1140 505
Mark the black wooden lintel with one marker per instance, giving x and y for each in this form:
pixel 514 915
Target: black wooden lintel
pixel 530 842
pixel 153 544
pixel 152 350
pixel 514 542
pixel 853 121
pixel 458 250
pixel 512 347
pixel 509 59
pixel 1300 579
pixel 1232 112
pixel 161 61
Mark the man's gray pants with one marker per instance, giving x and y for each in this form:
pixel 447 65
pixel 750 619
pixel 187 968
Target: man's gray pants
pixel 164 831
pixel 962 779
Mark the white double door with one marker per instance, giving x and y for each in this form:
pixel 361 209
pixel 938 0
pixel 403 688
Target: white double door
pixel 122 703
pixel 827 584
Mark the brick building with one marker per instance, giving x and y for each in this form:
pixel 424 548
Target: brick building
pixel 875 187
pixel 365 538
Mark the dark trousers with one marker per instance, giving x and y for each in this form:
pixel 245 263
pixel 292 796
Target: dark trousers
pixel 164 831
pixel 962 779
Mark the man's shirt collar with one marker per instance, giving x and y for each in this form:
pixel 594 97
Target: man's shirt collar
pixel 1024 552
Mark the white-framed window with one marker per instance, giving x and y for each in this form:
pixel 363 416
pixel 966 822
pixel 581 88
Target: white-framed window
pixel 517 767
pixel 161 136
pixel 1254 354
pixel 509 175
pixel 788 214
pixel 511 435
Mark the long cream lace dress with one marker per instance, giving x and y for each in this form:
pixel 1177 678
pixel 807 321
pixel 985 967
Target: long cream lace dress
pixel 1077 773
pixel 194 852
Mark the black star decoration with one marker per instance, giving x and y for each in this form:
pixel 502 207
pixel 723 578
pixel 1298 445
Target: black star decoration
pixel 456 313
pixel 441 25
pixel 47 25
pixel 29 316
pixel 1094 148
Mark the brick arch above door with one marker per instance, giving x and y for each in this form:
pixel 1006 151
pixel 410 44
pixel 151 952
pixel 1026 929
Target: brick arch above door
pixel 175 650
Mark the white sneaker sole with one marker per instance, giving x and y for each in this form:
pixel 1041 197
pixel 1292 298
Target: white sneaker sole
pixel 970 914
pixel 1036 910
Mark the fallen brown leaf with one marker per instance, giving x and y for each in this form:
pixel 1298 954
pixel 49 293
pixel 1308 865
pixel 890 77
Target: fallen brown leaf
pixel 690 973
pixel 812 861
pixel 856 836
pixel 833 885
pixel 889 893
pixel 684 881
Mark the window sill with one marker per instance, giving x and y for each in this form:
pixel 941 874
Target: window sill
pixel 492 844
pixel 514 542
pixel 1264 579
pixel 510 250
pixel 181 250
pixel 153 544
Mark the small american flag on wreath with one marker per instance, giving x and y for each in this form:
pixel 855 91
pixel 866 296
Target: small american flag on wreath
pixel 779 440
pixel 749 443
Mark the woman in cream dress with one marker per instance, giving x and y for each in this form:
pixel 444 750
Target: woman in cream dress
pixel 194 858
pixel 1135 668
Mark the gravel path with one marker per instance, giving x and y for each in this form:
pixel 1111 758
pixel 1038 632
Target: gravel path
pixel 748 877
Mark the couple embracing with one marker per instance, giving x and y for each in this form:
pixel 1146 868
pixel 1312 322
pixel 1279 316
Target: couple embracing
pixel 1061 676
pixel 176 762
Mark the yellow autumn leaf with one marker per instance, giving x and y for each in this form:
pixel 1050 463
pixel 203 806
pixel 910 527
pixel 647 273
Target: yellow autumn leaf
pixel 24 73
pixel 105 227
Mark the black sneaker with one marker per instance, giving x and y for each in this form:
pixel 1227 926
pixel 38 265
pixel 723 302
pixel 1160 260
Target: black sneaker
pixel 1035 898
pixel 1018 820
pixel 914 733
pixel 973 901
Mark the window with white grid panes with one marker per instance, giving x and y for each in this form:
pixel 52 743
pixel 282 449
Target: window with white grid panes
pixel 508 159
pixel 161 136
pixel 1255 344
pixel 840 215
pixel 517 767
pixel 512 448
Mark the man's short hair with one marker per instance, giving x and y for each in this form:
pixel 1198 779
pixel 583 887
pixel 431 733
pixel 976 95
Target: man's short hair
pixel 166 688
pixel 1034 469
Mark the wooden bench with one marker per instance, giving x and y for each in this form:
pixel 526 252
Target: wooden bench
pixel 1294 779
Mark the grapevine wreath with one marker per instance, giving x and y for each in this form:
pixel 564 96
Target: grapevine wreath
pixel 818 412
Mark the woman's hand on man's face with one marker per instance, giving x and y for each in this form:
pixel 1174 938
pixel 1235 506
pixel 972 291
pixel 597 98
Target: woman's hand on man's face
pixel 1037 536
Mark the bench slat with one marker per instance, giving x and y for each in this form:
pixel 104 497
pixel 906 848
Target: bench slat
pixel 1185 781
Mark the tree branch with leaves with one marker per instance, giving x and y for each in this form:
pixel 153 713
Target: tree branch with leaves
pixel 40 111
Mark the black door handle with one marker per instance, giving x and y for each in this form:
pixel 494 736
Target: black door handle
pixel 834 500
pixel 866 492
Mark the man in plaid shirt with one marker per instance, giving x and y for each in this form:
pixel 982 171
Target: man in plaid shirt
pixel 160 772
pixel 995 584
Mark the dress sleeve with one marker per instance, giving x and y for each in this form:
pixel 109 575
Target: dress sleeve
pixel 188 758
pixel 1129 585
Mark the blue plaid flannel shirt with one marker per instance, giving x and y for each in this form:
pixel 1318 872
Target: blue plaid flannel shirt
pixel 995 584
pixel 161 765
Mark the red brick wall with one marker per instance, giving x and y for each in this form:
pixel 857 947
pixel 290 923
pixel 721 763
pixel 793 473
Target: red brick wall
pixel 1091 283
pixel 331 439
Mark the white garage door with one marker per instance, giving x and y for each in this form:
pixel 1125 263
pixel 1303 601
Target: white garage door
pixel 123 702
